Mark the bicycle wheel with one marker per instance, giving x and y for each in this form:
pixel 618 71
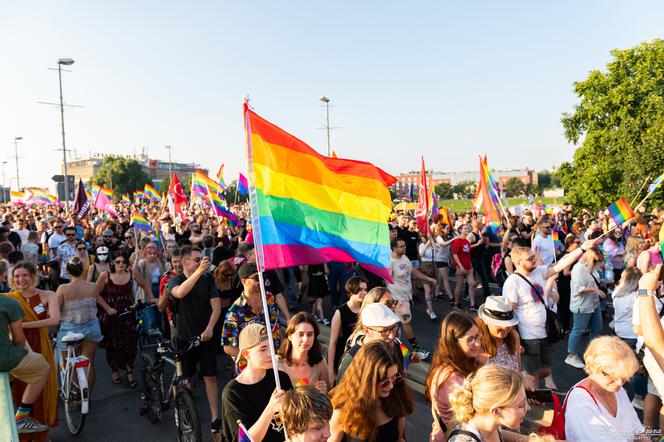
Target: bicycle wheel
pixel 187 424
pixel 72 396
pixel 152 388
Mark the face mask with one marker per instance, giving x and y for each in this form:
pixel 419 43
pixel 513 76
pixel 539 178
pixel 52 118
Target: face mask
pixel 102 258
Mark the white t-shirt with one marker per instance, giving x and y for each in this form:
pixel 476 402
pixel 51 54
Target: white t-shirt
pixel 652 367
pixel 529 310
pixel 426 255
pixel 54 242
pixel 23 234
pixel 401 270
pixel 442 251
pixel 586 420
pixel 624 315
pixel 544 246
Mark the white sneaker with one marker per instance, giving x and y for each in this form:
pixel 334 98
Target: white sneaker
pixel 432 315
pixel 423 354
pixel 29 425
pixel 637 403
pixel 574 361
pixel 550 384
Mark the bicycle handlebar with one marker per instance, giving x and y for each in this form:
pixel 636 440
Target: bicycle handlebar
pixel 136 307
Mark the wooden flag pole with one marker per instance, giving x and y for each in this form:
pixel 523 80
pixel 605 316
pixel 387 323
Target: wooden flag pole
pixel 640 189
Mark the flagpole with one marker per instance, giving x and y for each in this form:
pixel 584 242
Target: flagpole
pixel 640 189
pixel 258 243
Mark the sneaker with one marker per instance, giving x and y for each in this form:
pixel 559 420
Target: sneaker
pixel 548 383
pixel 325 322
pixel 637 403
pixel 432 315
pixel 29 425
pixel 574 361
pixel 423 354
pixel 316 318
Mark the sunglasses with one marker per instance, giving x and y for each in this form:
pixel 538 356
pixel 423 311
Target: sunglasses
pixel 70 234
pixel 394 380
pixel 81 249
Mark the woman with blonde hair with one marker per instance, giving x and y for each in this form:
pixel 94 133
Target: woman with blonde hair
pixel 633 247
pixel 372 400
pixel 492 398
pixel 584 303
pixel 598 407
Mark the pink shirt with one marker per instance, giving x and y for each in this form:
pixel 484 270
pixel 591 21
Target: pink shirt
pixel 443 384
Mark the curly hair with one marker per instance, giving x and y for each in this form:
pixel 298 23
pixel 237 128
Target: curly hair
pixel 448 352
pixel 356 396
pixel 315 353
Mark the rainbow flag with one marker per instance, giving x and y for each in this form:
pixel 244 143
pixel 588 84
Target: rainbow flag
pixel 242 185
pixel 220 177
pixel 302 382
pixel 655 184
pixel 125 199
pixel 555 236
pixel 151 192
pixel 139 223
pixel 17 197
pixel 243 434
pixel 139 194
pixel 201 182
pixel 96 188
pixel 406 356
pixel 310 208
pixel 220 208
pixel 496 227
pixel 620 211
pixel 39 196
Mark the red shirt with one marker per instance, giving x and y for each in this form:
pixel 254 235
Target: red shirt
pixel 162 286
pixel 461 248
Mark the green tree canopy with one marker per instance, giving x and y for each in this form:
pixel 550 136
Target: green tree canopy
pixel 444 191
pixel 465 189
pixel 514 187
pixel 547 180
pixel 619 122
pixel 121 175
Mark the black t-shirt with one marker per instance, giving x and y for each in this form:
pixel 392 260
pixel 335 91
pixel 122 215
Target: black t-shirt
pixel 194 310
pixel 411 238
pixel 247 402
pixel 525 228
pixel 221 253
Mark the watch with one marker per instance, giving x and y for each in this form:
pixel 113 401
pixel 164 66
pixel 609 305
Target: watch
pixel 644 292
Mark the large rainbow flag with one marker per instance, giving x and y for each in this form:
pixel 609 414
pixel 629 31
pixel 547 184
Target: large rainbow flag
pixel 307 208
pixel 620 211
pixel 39 196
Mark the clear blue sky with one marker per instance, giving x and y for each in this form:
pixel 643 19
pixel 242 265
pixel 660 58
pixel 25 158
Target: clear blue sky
pixel 447 81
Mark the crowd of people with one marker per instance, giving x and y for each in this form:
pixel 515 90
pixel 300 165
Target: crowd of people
pixel 512 279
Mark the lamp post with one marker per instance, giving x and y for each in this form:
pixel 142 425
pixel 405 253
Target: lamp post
pixel 18 181
pixel 65 62
pixel 326 100
pixel 170 163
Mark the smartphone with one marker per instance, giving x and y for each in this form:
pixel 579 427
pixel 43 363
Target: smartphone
pixel 542 395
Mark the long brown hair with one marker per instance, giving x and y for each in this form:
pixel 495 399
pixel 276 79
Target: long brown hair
pixel 489 345
pixel 315 353
pixel 448 352
pixel 356 396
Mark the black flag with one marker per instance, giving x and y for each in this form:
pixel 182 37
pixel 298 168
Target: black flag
pixel 81 205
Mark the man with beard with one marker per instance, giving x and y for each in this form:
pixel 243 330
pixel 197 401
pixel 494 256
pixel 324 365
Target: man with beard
pixel 522 289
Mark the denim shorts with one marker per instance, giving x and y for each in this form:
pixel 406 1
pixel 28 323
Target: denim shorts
pixel 90 330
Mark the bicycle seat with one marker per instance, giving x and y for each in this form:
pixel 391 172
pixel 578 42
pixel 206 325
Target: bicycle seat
pixel 73 337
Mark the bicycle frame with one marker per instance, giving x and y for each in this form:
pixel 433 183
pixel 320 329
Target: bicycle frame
pixel 80 364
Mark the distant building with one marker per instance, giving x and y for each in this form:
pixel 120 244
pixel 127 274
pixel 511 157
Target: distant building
pixel 405 179
pixel 157 170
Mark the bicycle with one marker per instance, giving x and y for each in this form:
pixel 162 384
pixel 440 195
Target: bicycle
pixel 74 390
pixel 156 397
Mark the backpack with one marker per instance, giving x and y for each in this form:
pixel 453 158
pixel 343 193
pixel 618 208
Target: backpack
pixel 557 427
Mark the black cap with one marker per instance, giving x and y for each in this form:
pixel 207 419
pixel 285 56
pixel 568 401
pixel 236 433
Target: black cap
pixel 247 270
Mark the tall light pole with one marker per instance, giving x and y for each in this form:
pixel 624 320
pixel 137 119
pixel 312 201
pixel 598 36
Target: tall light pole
pixel 65 62
pixel 326 100
pixel 170 163
pixel 18 181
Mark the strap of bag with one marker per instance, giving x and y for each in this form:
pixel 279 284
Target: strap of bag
pixel 465 433
pixel 583 388
pixel 534 289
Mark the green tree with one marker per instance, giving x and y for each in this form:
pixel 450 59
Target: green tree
pixel 231 190
pixel 444 191
pixel 532 189
pixel 619 123
pixel 121 175
pixel 514 187
pixel 464 189
pixel 547 180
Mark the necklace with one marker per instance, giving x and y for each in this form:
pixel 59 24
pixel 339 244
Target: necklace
pixel 298 364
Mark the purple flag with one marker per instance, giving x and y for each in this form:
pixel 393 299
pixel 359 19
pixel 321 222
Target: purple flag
pixel 81 204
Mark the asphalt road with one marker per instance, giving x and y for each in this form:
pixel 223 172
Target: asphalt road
pixel 114 415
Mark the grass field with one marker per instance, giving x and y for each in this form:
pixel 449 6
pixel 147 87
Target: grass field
pixel 464 205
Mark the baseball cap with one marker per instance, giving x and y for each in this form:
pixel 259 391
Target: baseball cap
pixel 247 270
pixel 101 250
pixel 250 336
pixel 378 315
pixel 107 232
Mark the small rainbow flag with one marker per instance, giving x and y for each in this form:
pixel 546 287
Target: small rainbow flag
pixel 555 236
pixel 406 356
pixel 140 223
pixel 151 192
pixel 125 199
pixel 302 382
pixel 139 194
pixel 96 188
pixel 17 197
pixel 655 184
pixel 220 208
pixel 220 177
pixel 620 211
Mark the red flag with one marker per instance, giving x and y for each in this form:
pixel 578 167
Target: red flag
pixel 176 191
pixel 423 203
pixel 103 203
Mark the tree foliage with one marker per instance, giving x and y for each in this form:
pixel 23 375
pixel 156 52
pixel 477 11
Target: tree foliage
pixel 121 175
pixel 619 121
pixel 464 189
pixel 444 191
pixel 547 180
pixel 514 187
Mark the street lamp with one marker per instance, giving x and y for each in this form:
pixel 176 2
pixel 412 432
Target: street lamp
pixel 326 100
pixel 64 62
pixel 18 181
pixel 170 163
